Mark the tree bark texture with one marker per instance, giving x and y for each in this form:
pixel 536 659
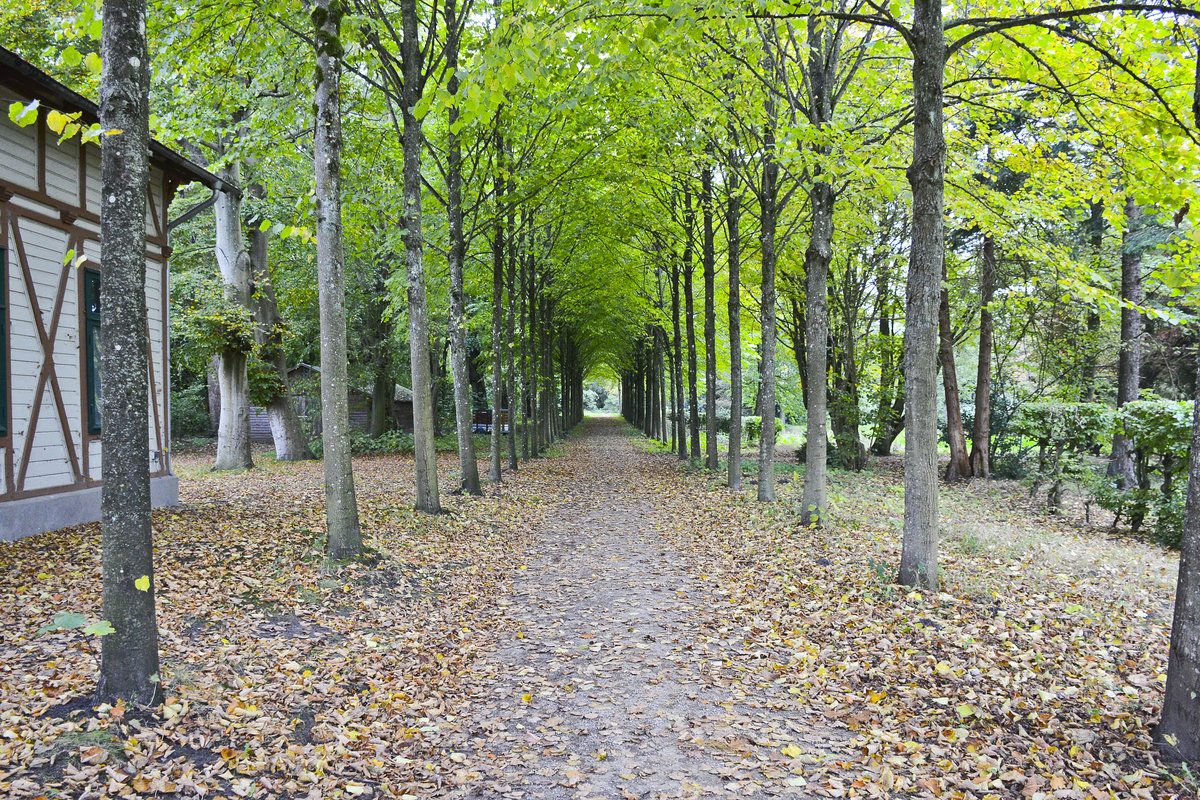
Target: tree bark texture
pixel 816 336
pixel 129 655
pixel 981 430
pixel 926 175
pixel 512 379
pixel 732 218
pixel 286 430
pixel 768 201
pixel 1091 322
pixel 233 260
pixel 344 539
pixel 710 322
pixel 414 260
pixel 467 466
pixel 677 364
pixel 1129 365
pixel 960 462
pixel 689 269
pixel 1179 730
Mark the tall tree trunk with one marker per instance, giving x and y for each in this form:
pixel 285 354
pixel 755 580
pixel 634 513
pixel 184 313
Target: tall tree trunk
pixel 926 175
pixel 799 342
pixel 414 257
pixel 233 430
pixel 677 364
pixel 689 269
pixel 497 315
pixel 510 346
pixel 710 322
pixel 890 412
pixel 768 201
pixel 1179 731
pixel 535 365
pixel 344 539
pixel 129 655
pixel 732 218
pixel 1091 348
pixel 526 406
pixel 960 462
pixel 816 335
pixel 468 468
pixel 377 330
pixel 981 430
pixel 290 444
pixel 844 414
pixel 1129 367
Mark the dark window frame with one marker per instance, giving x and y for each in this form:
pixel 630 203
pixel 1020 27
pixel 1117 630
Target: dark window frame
pixel 91 333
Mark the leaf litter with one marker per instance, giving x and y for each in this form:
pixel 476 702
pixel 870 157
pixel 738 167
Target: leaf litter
pixel 605 624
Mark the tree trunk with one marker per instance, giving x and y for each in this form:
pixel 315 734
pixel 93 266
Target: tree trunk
pixel 689 269
pixel 514 387
pixel 233 430
pixel 981 431
pixel 414 257
pixel 890 412
pixel 960 463
pixel 527 391
pixel 497 316
pixel 1179 731
pixel 677 364
pixel 288 434
pixel 768 201
pixel 344 538
pixel 926 175
pixel 129 655
pixel 710 322
pixel 732 218
pixel 1091 347
pixel 468 468
pixel 816 335
pixel 1129 367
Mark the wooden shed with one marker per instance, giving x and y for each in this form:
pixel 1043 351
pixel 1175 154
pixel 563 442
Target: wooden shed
pixel 50 415
pixel 304 389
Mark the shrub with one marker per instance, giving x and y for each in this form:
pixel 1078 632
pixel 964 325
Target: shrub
pixel 752 427
pixel 1159 433
pixel 189 412
pixel 1064 432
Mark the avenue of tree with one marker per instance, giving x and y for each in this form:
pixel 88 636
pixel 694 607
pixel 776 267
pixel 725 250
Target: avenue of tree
pixel 842 213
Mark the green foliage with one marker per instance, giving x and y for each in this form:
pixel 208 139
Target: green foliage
pixel 1159 433
pixel 189 411
pixel 1064 432
pixel 752 427
pixel 205 322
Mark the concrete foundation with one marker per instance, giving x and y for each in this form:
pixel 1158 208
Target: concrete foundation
pixel 21 518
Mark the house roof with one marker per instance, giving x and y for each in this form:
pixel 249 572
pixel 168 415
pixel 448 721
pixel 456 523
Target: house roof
pixel 20 75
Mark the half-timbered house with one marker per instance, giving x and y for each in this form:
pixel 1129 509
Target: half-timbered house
pixel 50 276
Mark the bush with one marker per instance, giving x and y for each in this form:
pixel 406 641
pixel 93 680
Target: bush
pixel 752 426
pixel 189 412
pixel 1064 432
pixel 362 444
pixel 1159 433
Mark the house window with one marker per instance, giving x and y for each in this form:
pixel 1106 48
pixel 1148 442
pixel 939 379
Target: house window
pixel 91 330
pixel 3 343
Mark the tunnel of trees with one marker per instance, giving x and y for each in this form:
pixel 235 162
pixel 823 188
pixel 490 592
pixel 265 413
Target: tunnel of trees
pixel 961 234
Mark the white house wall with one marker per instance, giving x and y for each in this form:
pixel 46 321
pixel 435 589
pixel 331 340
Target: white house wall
pixel 48 449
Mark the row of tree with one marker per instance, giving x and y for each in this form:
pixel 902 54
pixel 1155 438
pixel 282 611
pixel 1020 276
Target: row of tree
pixel 551 179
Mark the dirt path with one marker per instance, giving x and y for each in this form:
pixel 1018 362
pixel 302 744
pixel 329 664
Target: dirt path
pixel 612 682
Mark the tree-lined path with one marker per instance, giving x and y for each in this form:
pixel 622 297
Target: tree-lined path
pixel 617 681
